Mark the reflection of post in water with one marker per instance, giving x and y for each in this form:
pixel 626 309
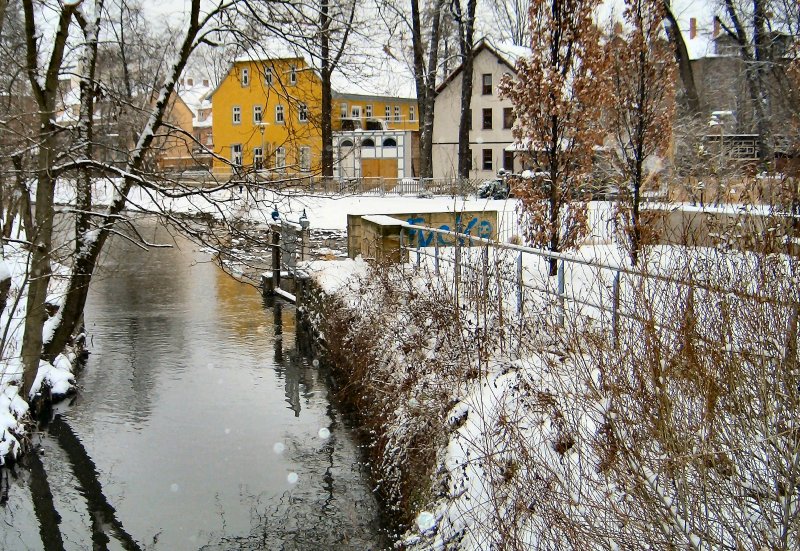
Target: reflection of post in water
pixel 291 375
pixel 104 516
pixel 43 506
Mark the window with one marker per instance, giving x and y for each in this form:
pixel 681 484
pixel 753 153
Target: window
pixel 355 111
pixel 293 75
pixel 280 157
pixel 236 154
pixel 387 113
pixel 368 142
pixel 343 111
pixel 508 117
pixel 396 113
pixel 368 110
pixel 346 143
pixel 412 115
pixel 487 119
pixel 487 159
pixel 508 160
pixel 245 76
pixel 279 114
pixel 486 80
pixel 237 114
pixel 258 112
pixel 305 158
pixel 389 142
pixel 268 76
pixel 258 158
pixel 302 113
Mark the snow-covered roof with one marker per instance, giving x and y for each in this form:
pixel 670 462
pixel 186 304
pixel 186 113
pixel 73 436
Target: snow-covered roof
pixel 195 96
pixel 369 74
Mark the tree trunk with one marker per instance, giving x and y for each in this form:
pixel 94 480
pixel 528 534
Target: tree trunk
pixel 425 80
pixel 683 61
pixel 326 126
pixel 466 36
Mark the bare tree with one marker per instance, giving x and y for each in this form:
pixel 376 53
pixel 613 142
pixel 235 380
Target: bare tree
pixel 466 34
pixel 56 156
pixel 511 20
pixel 558 96
pixel 641 109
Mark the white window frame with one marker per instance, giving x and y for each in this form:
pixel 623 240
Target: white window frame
pixel 268 76
pixel 245 77
pixel 236 114
pixel 292 75
pixel 412 113
pixel 236 154
pixel 355 111
pixel 280 157
pixel 280 115
pixel 258 114
pixel 397 117
pixel 305 158
pixel 302 112
pixel 387 113
pixel 343 111
pixel 258 158
pixel 368 111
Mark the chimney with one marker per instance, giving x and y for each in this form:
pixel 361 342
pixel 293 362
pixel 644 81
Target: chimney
pixel 692 27
pixel 190 82
pixel 181 82
pixel 205 82
pixel 717 27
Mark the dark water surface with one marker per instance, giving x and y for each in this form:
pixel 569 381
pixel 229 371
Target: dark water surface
pixel 199 425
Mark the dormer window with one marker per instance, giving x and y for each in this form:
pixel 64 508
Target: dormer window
pixel 245 76
pixel 293 75
pixel 268 76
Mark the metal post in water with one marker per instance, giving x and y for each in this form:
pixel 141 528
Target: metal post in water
pixel 276 259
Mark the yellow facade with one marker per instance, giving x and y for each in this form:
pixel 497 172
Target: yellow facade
pixel 266 115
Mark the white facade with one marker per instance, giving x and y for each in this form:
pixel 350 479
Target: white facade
pixel 352 148
pixel 491 135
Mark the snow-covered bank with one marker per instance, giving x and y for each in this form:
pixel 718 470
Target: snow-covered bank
pixel 678 433
pixel 56 379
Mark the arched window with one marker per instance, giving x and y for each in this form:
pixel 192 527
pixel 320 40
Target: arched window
pixel 369 142
pixel 346 143
pixel 389 142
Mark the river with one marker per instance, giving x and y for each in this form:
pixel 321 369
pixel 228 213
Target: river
pixel 199 424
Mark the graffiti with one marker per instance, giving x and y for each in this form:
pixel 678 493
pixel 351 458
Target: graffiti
pixel 475 227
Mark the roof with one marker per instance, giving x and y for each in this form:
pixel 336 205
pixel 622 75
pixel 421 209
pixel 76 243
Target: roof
pixel 506 53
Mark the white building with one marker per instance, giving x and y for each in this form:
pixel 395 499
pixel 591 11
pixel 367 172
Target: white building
pixel 490 138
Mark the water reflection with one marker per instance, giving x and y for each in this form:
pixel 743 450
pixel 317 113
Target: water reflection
pixel 192 385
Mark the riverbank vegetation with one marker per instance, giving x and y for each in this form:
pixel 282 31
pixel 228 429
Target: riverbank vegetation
pixel 550 430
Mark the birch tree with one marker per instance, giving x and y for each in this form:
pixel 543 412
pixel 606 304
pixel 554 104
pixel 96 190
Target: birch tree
pixel 558 96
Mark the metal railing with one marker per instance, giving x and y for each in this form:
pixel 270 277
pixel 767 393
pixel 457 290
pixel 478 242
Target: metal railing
pixel 592 288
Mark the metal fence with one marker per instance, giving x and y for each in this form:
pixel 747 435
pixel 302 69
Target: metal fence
pixel 533 281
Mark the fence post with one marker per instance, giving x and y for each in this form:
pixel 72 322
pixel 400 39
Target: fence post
pixel 615 308
pixel 419 245
pixel 276 258
pixel 519 283
pixel 436 253
pixel 561 296
pixel 485 274
pixel 457 275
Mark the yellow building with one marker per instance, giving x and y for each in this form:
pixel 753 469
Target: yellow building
pixel 266 116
